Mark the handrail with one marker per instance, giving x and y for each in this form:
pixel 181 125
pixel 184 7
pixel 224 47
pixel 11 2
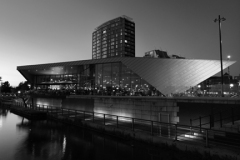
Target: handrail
pixel 230 114
pixel 172 131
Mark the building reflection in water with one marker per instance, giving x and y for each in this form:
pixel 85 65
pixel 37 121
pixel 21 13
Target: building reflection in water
pixel 50 140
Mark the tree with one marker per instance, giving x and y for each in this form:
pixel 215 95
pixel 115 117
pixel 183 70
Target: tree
pixel 23 86
pixel 6 88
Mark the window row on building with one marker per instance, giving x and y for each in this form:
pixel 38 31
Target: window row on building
pixel 100 77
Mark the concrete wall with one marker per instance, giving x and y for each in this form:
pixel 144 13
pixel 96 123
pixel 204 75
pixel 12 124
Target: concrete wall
pixel 73 103
pixel 80 104
pixel 157 110
pixel 171 110
pixel 55 102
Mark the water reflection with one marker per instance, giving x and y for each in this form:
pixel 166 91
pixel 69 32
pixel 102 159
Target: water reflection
pixel 45 140
pixel 3 112
pixel 49 140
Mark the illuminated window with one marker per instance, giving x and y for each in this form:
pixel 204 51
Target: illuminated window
pixel 126 41
pixel 104 32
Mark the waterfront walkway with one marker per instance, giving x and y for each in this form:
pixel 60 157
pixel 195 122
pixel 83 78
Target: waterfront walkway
pixel 202 136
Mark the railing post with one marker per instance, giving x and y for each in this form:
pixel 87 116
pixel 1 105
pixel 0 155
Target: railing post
pixel 93 117
pixel 220 119
pixel 84 115
pixel 151 127
pixel 200 122
pixel 175 132
pixel 117 121
pixel 232 116
pixel 62 111
pixel 133 124
pixel 75 114
pixel 206 138
pixel 104 119
pixel 210 119
pixel 56 112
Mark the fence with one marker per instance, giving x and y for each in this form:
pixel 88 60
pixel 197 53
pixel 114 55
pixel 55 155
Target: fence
pixel 217 119
pixel 172 131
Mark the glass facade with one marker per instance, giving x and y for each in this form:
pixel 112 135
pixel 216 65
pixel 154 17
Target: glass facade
pixel 99 79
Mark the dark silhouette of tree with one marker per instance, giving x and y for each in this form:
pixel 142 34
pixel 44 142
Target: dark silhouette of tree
pixel 23 86
pixel 6 88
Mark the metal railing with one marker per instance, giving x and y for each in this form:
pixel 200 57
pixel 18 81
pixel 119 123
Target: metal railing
pixel 172 131
pixel 217 119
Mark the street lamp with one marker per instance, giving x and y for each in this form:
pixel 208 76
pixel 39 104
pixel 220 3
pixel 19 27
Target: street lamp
pixel 231 86
pixel 228 58
pixel 0 85
pixel 220 38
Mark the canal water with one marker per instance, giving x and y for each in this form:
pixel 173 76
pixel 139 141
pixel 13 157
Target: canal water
pixel 21 139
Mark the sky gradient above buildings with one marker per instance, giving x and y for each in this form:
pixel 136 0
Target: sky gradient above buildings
pixel 47 31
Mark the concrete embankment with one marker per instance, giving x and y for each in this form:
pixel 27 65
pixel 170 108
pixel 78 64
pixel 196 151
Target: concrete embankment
pixel 221 151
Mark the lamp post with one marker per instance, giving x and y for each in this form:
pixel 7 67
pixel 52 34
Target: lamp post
pixel 228 58
pixel 231 86
pixel 220 38
pixel 0 85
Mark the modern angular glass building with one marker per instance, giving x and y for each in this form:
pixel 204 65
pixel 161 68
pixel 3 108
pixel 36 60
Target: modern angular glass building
pixel 123 75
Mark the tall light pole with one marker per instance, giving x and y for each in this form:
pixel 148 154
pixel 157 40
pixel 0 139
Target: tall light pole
pixel 0 85
pixel 220 38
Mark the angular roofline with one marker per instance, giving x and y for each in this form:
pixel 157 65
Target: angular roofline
pixel 95 61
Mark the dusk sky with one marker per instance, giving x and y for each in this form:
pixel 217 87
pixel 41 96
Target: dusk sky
pixel 47 31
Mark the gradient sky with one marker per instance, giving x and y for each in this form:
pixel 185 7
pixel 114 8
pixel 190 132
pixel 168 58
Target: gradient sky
pixel 46 31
